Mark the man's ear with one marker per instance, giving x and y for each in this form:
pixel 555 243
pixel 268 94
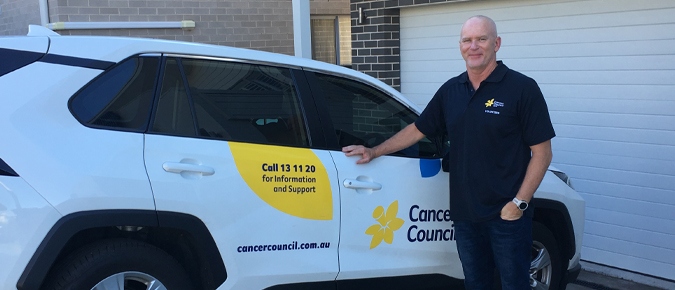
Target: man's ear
pixel 498 43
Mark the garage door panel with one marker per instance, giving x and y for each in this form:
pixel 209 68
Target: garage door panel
pixel 606 68
pixel 630 220
pixel 637 77
pixel 591 35
pixel 427 90
pixel 576 62
pixel 639 107
pixel 438 65
pixel 611 92
pixel 630 234
pixel 639 250
pixel 632 261
pixel 574 77
pixel 622 163
pixel 512 15
pixel 659 137
pixel 638 150
pixel 588 21
pixel 440 54
pixel 625 191
pixel 634 121
pixel 647 180
pixel 436 32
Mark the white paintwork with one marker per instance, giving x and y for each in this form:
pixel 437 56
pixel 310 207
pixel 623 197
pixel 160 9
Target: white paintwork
pixel 32 44
pixel 606 69
pixel 236 216
pixel 302 34
pixel 74 167
pixel 25 219
pixel 401 182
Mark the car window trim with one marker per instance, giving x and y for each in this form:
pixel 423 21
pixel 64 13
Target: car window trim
pixel 327 123
pixel 229 59
pixel 365 82
pixel 142 129
pixel 302 98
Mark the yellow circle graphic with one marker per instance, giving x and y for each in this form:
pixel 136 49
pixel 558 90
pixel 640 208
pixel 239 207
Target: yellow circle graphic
pixel 292 180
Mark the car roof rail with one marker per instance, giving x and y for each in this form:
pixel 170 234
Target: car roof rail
pixel 37 30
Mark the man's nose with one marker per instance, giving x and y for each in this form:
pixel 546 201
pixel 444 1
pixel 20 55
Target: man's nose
pixel 474 44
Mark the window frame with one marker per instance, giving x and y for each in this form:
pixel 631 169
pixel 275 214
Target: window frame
pixel 142 129
pixel 303 98
pixel 327 123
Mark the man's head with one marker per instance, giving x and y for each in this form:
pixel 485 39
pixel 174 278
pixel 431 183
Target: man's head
pixel 479 42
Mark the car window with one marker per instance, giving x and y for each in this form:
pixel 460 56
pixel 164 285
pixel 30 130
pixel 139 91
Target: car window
pixel 231 101
pixel 174 113
pixel 363 115
pixel 120 98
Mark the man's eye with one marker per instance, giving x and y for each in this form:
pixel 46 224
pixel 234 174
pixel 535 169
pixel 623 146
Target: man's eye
pixel 483 39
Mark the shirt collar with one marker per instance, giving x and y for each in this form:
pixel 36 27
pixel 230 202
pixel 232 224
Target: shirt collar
pixel 494 77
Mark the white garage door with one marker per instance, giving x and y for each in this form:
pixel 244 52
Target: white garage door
pixel 607 70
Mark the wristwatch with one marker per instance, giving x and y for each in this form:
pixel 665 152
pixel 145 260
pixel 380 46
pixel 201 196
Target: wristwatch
pixel 521 204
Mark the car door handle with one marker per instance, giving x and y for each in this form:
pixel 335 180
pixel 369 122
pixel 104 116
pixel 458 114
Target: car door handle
pixel 358 184
pixel 179 167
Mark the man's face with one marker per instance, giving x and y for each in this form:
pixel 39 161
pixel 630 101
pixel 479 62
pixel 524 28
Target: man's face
pixel 479 43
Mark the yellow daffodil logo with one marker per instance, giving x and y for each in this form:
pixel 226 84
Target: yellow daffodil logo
pixel 489 103
pixel 387 223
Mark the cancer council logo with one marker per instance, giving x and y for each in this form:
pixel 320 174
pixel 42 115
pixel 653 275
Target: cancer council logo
pixel 387 223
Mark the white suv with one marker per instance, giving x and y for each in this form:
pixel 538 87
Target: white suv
pixel 129 163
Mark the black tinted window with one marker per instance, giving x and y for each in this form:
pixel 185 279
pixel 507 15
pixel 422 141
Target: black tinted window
pixel 121 97
pixel 363 115
pixel 245 102
pixel 174 114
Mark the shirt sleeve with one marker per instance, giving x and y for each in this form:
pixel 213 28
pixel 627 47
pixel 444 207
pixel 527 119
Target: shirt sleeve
pixel 534 117
pixel 432 122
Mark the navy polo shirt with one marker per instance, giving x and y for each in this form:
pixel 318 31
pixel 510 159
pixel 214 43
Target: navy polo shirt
pixel 490 131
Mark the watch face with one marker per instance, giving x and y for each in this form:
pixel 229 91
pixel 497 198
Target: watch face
pixel 522 205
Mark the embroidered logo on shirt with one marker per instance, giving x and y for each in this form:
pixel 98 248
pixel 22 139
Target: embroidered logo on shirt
pixel 493 103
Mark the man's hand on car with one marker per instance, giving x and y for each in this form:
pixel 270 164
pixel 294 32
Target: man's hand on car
pixel 367 154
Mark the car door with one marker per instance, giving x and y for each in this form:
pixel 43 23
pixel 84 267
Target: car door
pixel 228 143
pixel 395 209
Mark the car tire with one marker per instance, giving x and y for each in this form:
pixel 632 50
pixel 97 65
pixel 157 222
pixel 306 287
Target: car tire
pixel 545 267
pixel 122 264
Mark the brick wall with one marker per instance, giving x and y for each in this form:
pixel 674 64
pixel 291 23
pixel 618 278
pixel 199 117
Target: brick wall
pixel 329 7
pixel 323 40
pixel 16 15
pixel 257 24
pixel 375 42
pixel 261 24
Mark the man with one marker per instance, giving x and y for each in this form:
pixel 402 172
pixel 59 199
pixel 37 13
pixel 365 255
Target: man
pixel 499 131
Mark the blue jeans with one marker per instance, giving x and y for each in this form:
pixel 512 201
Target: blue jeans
pixel 495 243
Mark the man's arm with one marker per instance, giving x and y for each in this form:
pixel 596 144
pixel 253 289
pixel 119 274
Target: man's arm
pixel 403 139
pixel 536 169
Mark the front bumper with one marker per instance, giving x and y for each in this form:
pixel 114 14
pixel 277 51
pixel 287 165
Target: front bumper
pixel 570 275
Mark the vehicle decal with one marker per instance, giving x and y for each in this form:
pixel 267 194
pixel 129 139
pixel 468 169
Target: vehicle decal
pixel 387 224
pixel 430 167
pixel 76 61
pixel 283 247
pixel 292 180
pixel 430 225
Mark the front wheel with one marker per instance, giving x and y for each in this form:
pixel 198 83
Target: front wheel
pixel 545 267
pixel 119 264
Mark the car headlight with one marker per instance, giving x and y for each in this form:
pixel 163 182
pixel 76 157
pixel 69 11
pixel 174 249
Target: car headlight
pixel 566 179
